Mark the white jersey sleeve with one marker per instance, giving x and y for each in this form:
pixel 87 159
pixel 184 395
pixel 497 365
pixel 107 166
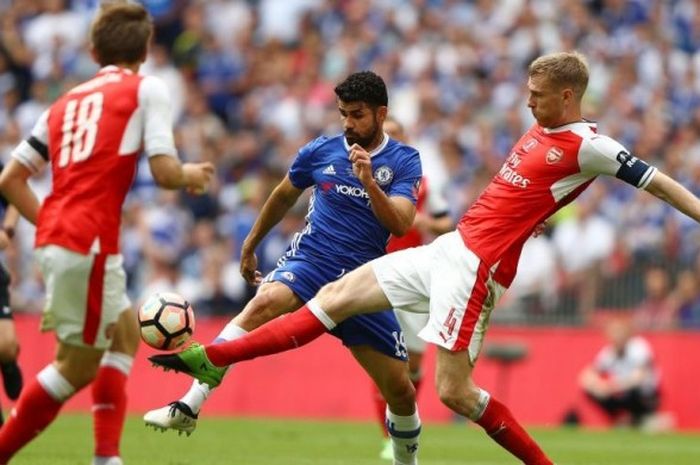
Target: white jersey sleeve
pixel 604 155
pixel 436 202
pixel 157 117
pixel 33 153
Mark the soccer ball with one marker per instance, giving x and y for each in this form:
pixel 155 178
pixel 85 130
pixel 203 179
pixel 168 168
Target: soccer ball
pixel 166 320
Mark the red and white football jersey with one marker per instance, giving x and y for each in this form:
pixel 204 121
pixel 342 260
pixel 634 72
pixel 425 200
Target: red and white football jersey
pixel 92 136
pixel 546 169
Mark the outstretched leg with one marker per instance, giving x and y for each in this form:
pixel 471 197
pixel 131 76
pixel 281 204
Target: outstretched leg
pixel 458 392
pixel 272 300
pixel 357 292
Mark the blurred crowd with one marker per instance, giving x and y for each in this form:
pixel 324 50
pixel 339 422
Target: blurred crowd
pixel 252 81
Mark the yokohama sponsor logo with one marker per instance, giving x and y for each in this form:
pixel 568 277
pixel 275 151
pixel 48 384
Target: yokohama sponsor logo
pixel 352 191
pixel 511 176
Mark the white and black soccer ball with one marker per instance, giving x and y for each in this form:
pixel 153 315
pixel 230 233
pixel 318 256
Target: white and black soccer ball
pixel 166 320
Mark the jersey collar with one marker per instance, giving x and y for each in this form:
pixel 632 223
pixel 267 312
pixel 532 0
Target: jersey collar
pixel 374 152
pixel 114 69
pixel 568 127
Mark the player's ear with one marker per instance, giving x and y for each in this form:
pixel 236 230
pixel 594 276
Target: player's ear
pixel 382 111
pixel 568 95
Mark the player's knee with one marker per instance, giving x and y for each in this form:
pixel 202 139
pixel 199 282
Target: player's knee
pixel 331 297
pixel 127 339
pixel 261 309
pixel 457 397
pixel 451 398
pixel 400 393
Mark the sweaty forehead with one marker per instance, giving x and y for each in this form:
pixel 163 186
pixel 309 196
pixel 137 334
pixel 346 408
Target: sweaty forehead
pixel 352 106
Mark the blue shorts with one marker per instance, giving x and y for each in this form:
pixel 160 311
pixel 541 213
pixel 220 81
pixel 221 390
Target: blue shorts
pixel 379 330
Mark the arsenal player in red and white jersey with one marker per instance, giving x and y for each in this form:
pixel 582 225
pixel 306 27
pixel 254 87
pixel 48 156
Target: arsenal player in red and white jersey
pixel 459 277
pixel 91 137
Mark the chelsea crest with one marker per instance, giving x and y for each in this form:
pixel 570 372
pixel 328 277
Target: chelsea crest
pixel 383 175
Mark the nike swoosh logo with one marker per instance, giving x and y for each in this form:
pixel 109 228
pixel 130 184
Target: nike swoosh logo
pixel 499 430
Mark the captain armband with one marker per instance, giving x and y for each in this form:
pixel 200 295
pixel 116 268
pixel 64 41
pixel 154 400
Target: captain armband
pixel 633 170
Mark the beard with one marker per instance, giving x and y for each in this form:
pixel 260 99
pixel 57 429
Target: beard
pixel 363 141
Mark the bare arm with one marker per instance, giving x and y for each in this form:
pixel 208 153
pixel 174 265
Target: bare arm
pixel 14 186
pixel 394 213
pixel 169 173
pixel 283 197
pixel 672 192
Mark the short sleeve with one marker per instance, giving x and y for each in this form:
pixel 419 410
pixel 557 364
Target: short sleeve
pixel 157 119
pixel 33 153
pixel 301 171
pixel 436 201
pixel 407 179
pixel 603 155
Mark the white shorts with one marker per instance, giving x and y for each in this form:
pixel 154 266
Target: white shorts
pixel 447 280
pixel 85 294
pixel 411 324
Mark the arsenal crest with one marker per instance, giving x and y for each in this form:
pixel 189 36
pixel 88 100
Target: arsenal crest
pixel 554 155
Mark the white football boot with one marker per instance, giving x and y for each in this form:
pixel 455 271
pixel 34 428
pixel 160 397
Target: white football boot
pixel 176 415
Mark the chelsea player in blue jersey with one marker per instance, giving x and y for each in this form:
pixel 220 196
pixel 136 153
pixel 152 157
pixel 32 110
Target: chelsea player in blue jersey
pixel 364 187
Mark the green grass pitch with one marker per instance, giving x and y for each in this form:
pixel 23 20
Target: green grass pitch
pixel 293 442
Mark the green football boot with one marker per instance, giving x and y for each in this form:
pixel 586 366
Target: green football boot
pixel 192 361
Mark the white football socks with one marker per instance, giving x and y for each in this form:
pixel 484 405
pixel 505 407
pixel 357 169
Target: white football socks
pixel 55 384
pixel 404 432
pixel 199 392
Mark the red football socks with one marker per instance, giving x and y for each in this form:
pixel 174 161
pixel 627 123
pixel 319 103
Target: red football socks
pixel 108 409
pixel 34 411
pixel 503 428
pixel 284 333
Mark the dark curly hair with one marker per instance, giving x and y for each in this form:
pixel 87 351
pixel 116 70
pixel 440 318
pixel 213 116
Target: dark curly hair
pixel 364 86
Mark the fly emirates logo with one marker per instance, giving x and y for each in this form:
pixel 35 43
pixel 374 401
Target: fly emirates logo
pixel 509 172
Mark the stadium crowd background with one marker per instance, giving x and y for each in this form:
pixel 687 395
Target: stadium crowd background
pixel 252 81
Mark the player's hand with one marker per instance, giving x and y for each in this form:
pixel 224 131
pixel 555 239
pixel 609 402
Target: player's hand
pixel 249 268
pixel 198 176
pixel 539 229
pixel 361 164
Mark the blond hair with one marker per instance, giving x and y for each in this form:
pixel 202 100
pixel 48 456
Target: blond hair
pixel 563 69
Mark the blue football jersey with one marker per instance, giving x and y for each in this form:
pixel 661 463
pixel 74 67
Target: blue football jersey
pixel 340 223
